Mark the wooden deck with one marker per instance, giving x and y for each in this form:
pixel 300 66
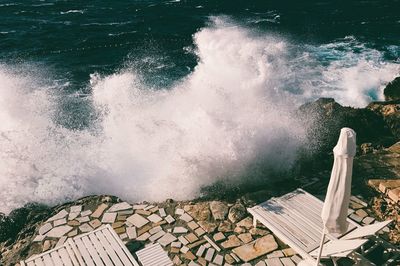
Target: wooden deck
pixel 101 247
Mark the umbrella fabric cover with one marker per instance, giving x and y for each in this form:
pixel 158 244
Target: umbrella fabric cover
pixel 334 211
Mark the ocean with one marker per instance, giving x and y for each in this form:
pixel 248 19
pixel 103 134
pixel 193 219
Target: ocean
pixel 149 100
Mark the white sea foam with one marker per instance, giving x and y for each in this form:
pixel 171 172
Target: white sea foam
pixel 152 144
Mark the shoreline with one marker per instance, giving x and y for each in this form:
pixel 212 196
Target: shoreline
pixel 378 153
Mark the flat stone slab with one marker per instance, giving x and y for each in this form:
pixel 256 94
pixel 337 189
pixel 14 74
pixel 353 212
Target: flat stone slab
pixel 76 208
pixel 137 220
pixel 61 214
pixel 45 228
pixel 219 210
pixel 139 206
pixel 109 218
pixel 99 211
pixel 156 236
pixel 154 230
pixel 169 219
pixel 210 254
pixel 120 207
pixel 143 237
pixel 162 212
pixel 39 238
pixel 73 215
pixel 166 239
pixel 180 230
pixel 60 222
pixel 257 248
pixel 154 218
pixel 59 231
pixel 85 228
pixel 86 213
pixel 131 232
pixel 179 211
pixel 233 241
pixel 186 217
pixel 83 219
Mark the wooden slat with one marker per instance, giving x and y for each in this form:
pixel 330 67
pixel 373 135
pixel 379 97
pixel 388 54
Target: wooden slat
pixel 47 260
pixel 274 224
pixel 85 254
pixel 100 249
pixel 65 257
pixel 92 251
pixel 74 253
pixel 299 223
pixel 298 212
pixel 123 247
pixel 108 248
pixel 39 262
pixel 121 254
pixel 55 257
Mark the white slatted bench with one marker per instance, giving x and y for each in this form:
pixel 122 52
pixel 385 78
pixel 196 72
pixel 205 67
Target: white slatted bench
pixel 295 218
pixel 154 255
pixel 101 247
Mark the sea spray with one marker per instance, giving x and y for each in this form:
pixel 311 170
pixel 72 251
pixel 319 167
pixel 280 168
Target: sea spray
pixel 151 143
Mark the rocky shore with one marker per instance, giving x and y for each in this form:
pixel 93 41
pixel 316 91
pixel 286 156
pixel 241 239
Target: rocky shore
pixel 219 231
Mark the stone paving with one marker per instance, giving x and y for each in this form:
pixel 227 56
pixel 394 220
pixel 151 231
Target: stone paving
pixel 204 233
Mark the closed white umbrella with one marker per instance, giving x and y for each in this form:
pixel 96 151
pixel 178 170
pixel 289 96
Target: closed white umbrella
pixel 336 205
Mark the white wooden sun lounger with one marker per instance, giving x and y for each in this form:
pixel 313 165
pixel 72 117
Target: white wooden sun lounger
pixel 101 247
pixel 295 218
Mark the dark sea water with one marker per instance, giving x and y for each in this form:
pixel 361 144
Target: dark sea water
pixel 156 99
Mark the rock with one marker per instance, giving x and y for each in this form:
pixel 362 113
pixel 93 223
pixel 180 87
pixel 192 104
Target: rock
pixel 324 118
pixel 232 242
pixel 45 228
pixel 239 230
pixel 120 207
pixel 154 218
pixel 99 211
pixel 84 228
pixel 225 227
pixel 237 212
pixel 246 237
pixel 166 239
pixel 366 148
pixel 186 217
pixel 199 211
pixel 219 210
pixel 229 259
pixel 386 185
pixel 246 223
pixel 288 252
pixel 137 220
pixel 258 232
pixel 95 223
pixel 390 112
pixel 208 226
pixel 256 248
pixel 46 245
pixel 219 237
pixel 392 90
pixel 394 194
pixel 109 218
pixel 59 231
pixel 61 214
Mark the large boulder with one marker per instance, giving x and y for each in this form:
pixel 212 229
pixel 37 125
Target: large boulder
pixel 324 118
pixel 392 90
pixel 390 112
pixel 219 210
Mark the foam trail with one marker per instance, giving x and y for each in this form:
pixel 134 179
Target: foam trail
pixel 153 144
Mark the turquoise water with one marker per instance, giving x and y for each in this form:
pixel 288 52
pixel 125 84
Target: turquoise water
pixel 157 99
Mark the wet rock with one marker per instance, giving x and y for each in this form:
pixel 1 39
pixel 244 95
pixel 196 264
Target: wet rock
pixel 236 213
pixel 392 90
pixel 219 210
pixel 199 211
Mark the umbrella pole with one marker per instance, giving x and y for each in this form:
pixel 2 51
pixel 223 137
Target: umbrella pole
pixel 321 245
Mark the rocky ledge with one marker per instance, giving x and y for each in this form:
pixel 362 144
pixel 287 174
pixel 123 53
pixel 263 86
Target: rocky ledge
pixel 193 233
